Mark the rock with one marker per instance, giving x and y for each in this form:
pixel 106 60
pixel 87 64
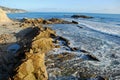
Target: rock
pixel 89 57
pixel 81 16
pixel 99 78
pixel 24 25
pixel 75 22
pixel 74 49
pixel 47 22
pixel 25 22
pixel 79 26
pixel 84 51
pixel 24 69
pixel 3 17
pixel 4 25
pixel 43 42
pixel 4 38
pixel 55 20
pixel 42 45
pixel 33 68
pixel 29 77
pixel 62 56
pixel 40 20
pixel 13 48
pixel 60 21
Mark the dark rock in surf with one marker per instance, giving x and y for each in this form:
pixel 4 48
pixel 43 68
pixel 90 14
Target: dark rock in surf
pixel 81 16
pixel 75 22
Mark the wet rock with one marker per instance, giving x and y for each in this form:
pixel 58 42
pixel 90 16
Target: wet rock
pixel 75 22
pixel 74 49
pixel 13 48
pixel 81 16
pixel 89 57
pixel 99 78
pixel 61 57
pixel 64 41
pixel 65 56
pixel 79 26
pixel 84 51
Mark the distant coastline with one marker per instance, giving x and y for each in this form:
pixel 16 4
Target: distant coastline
pixel 12 10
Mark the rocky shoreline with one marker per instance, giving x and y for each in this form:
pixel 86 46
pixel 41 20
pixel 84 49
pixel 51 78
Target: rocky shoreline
pixel 49 49
pixel 34 42
pixel 23 51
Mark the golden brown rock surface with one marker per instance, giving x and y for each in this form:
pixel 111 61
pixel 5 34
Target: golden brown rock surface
pixel 33 68
pixel 35 22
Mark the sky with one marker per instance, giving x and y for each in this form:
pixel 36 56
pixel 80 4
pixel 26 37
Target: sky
pixel 89 6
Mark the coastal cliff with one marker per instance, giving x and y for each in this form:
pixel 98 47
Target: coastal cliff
pixel 12 10
pixel 3 17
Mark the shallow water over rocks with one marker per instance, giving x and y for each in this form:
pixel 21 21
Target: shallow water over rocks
pixel 103 48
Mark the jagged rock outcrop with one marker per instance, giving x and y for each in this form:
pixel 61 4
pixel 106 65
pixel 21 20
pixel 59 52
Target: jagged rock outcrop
pixel 34 22
pixel 33 68
pixel 3 17
pixel 24 60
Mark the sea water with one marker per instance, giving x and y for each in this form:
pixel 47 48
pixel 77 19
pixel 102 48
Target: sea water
pixel 104 23
pixel 97 17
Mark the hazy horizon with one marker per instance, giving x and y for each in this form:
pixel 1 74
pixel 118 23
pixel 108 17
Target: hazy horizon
pixel 86 6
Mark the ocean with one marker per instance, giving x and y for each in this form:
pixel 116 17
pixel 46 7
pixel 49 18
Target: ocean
pixel 47 15
pixel 106 23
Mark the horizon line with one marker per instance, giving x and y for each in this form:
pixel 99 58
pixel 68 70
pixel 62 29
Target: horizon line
pixel 70 12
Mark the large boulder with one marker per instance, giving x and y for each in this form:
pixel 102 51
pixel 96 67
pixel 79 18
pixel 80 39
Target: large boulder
pixel 3 17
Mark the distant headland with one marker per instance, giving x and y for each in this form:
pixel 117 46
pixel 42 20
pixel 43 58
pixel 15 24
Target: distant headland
pixel 12 10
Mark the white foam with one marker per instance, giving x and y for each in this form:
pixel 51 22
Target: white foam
pixel 103 27
pixel 111 29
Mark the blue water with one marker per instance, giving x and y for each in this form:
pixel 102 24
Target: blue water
pixel 47 15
